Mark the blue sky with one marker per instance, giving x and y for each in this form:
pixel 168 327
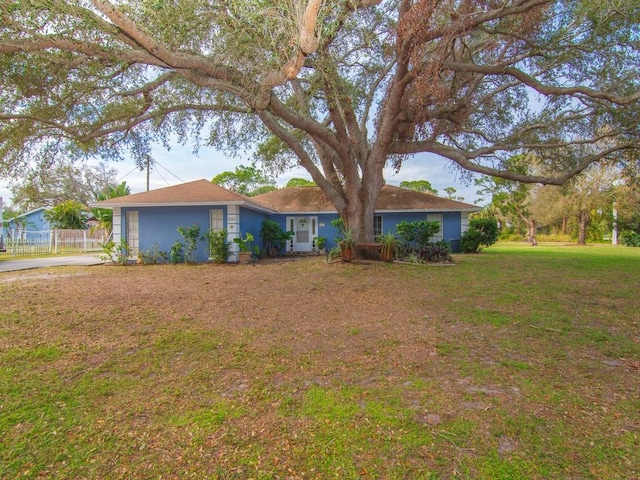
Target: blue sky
pixel 181 165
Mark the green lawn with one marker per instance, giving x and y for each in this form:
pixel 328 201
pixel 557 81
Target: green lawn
pixel 517 363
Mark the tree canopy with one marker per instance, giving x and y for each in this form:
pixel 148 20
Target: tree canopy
pixel 246 180
pixel 300 182
pixel 342 88
pixel 419 186
pixel 49 185
pixel 104 216
pixel 67 215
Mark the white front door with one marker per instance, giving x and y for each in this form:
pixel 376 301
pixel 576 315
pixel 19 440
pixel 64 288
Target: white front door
pixel 305 229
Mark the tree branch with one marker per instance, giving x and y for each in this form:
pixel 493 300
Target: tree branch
pixel 539 86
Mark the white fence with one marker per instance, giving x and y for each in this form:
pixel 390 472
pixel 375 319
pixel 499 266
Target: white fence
pixel 54 242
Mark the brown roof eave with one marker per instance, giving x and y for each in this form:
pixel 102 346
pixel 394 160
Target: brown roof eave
pixel 250 205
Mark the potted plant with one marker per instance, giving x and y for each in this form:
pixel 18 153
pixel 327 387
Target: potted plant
pixel 347 246
pixel 320 244
pixel 218 245
pixel 389 242
pixel 244 256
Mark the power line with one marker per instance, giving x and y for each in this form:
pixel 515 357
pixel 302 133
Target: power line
pixel 158 163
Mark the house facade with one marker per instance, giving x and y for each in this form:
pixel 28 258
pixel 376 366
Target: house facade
pixel 28 226
pixel 152 218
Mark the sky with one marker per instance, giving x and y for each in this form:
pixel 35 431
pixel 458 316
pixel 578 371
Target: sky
pixel 180 165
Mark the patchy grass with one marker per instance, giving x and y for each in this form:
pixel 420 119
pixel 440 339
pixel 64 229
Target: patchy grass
pixel 518 363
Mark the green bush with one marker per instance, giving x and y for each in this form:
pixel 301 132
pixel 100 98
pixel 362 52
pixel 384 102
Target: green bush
pixel 218 245
pixel 482 233
pixel 118 253
pixel 273 237
pixel 191 235
pixel 629 238
pixel 417 233
pixel 152 256
pixel 437 252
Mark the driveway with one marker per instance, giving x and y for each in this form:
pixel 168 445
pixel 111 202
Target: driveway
pixel 29 263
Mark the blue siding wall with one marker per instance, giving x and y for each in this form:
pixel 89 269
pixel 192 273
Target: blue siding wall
pixel 451 223
pixel 450 228
pixel 326 230
pixel 35 222
pixel 251 222
pixel 160 225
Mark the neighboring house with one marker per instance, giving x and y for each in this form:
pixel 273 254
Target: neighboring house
pixel 148 218
pixel 28 226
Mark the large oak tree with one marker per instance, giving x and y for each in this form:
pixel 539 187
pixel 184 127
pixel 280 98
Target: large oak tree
pixel 340 87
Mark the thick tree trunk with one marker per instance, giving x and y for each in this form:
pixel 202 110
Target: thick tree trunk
pixel 359 211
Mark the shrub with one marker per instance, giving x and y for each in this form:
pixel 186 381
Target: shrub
pixel 437 252
pixel 218 245
pixel 417 233
pixel 191 235
pixel 482 233
pixel 152 256
pixel 629 238
pixel 273 237
pixel 118 253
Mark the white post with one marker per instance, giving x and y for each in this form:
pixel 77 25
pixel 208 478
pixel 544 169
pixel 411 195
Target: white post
pixel 614 234
pixel 1 228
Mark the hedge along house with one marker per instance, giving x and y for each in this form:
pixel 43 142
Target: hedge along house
pixel 308 212
pixel 153 217
pixel 148 218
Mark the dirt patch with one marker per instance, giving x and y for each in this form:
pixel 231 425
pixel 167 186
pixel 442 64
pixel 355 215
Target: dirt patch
pixel 279 368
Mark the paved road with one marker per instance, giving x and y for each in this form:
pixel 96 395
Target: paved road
pixel 29 263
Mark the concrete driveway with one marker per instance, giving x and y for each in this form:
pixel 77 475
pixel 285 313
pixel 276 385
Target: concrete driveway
pixel 29 263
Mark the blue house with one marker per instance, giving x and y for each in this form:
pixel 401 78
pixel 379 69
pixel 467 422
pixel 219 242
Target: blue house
pixel 148 218
pixel 28 226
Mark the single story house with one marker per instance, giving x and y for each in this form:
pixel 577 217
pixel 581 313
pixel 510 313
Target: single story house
pixel 149 218
pixel 30 225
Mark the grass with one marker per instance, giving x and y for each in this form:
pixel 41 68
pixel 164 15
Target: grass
pixel 518 363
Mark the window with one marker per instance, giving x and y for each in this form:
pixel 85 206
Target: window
pixel 377 225
pixel 436 217
pixel 216 222
pixel 133 232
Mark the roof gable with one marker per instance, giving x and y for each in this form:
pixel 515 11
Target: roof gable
pixel 198 192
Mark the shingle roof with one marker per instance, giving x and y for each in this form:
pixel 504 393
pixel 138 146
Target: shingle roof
pixel 284 200
pixel 312 199
pixel 199 192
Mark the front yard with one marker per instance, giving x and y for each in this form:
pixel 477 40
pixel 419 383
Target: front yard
pixel 516 363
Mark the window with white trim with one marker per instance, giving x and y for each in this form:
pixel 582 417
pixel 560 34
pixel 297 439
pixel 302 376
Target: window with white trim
pixel 377 225
pixel 436 217
pixel 216 221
